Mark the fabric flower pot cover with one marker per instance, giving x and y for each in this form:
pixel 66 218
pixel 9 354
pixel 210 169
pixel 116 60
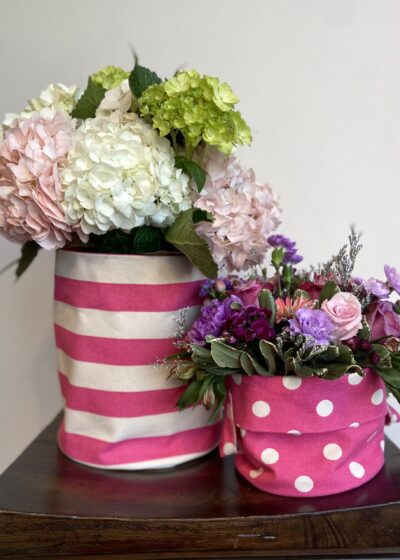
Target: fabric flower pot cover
pixel 306 436
pixel 115 316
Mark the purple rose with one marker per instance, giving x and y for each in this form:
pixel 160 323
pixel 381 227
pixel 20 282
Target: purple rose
pixel 383 319
pixel 393 278
pixel 377 287
pixel 314 323
pixel 212 318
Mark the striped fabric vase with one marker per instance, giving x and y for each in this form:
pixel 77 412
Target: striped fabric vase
pixel 115 316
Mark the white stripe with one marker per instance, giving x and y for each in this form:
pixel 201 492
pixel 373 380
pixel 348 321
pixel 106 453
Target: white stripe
pixel 113 430
pixel 123 324
pixel 115 378
pixel 164 463
pixel 126 269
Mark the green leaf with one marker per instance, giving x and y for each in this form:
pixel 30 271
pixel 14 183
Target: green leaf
pixel 328 291
pixel 29 252
pixel 194 171
pixel 270 355
pixel 192 394
pixel 183 236
pixel 384 355
pixel 251 366
pixel 365 331
pixel 266 301
pixel 147 240
pixel 201 216
pixel 89 101
pixel 391 377
pixel 224 355
pixel 141 78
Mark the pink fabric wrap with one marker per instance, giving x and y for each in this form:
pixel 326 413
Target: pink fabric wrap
pixel 306 437
pixel 115 317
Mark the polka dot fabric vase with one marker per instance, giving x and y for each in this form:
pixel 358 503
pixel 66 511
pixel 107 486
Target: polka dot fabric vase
pixel 306 436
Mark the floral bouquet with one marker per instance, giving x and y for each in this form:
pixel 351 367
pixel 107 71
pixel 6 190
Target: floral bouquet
pixel 299 352
pixel 135 183
pixel 134 165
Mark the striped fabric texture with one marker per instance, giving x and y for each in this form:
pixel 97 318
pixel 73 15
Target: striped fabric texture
pixel 115 318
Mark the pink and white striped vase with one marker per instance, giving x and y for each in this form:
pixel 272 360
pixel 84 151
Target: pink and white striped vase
pixel 115 318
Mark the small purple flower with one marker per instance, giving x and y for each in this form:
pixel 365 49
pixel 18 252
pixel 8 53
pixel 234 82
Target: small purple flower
pixel 377 287
pixel 393 278
pixel 212 318
pixel 278 240
pixel 292 257
pixel 314 323
pixel 219 285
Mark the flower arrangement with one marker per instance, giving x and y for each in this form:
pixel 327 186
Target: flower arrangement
pixel 323 323
pixel 135 164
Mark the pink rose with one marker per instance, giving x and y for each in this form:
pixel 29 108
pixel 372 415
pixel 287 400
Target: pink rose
pixel 344 310
pixel 383 320
pixel 248 291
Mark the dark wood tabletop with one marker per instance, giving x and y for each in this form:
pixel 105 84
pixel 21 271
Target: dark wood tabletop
pixel 54 508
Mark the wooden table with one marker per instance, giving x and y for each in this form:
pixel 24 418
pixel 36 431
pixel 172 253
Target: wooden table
pixel 54 508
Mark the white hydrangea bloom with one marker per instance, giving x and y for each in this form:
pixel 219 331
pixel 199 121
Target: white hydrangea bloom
pixel 117 99
pixel 121 174
pixel 55 98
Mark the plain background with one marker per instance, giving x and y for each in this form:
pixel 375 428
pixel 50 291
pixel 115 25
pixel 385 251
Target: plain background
pixel 319 82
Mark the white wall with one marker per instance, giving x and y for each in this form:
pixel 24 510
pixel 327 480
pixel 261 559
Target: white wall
pixel 320 85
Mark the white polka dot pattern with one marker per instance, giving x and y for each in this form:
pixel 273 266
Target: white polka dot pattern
pixel 229 448
pixel 291 382
pixel 332 451
pixel 356 469
pixel 261 409
pixel 269 456
pixel 377 397
pixel 324 408
pixel 304 484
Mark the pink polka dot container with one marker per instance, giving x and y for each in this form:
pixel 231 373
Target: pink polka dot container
pixel 307 436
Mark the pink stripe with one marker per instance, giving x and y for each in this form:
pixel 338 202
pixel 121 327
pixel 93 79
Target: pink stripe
pixel 127 297
pixel 97 452
pixel 118 404
pixel 113 351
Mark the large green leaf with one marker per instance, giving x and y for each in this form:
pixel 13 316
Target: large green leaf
pixel 270 355
pixel 251 366
pixel 192 394
pixel 224 355
pixel 141 78
pixel 266 301
pixel 183 236
pixel 29 252
pixel 147 240
pixel 194 171
pixel 89 101
pixel 391 377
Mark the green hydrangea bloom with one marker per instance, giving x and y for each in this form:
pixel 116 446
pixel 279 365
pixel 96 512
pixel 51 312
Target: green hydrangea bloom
pixel 201 107
pixel 110 77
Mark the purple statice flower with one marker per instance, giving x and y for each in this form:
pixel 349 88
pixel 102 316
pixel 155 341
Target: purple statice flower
pixel 290 255
pixel 393 278
pixel 213 317
pixel 249 323
pixel 377 287
pixel 206 287
pixel 313 323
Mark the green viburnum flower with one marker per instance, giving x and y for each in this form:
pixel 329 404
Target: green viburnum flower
pixel 201 107
pixel 110 77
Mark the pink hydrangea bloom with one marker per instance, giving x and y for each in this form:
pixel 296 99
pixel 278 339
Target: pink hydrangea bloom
pixel 244 213
pixel 30 190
